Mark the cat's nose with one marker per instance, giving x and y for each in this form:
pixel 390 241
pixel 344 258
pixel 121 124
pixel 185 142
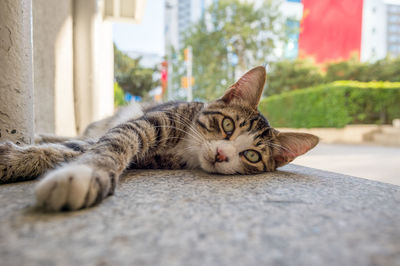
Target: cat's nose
pixel 220 156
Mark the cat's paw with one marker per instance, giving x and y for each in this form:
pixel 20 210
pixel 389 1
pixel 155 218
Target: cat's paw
pixel 72 187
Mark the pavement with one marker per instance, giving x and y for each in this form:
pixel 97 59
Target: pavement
pixel 378 163
pixel 295 216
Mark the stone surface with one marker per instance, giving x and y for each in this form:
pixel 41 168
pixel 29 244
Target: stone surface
pixel 296 216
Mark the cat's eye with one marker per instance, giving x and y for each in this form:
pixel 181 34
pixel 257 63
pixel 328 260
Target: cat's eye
pixel 228 125
pixel 252 156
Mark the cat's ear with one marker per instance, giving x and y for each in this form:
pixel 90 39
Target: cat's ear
pixel 292 145
pixel 248 89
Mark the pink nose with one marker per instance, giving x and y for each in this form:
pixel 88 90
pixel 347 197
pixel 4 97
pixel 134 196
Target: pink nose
pixel 220 156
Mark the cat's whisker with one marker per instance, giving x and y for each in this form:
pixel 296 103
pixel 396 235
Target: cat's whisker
pixel 176 128
pixel 188 123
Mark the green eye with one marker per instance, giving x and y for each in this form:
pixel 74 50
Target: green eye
pixel 252 156
pixel 228 125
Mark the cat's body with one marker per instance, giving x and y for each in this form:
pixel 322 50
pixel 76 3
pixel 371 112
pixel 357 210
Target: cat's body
pixel 227 136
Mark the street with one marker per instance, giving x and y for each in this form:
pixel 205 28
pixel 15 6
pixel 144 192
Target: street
pixel 371 162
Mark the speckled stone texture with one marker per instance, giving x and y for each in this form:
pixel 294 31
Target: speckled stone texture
pixel 296 216
pixel 16 82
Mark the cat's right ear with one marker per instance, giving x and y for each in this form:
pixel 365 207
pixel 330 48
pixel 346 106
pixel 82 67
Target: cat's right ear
pixel 292 145
pixel 248 89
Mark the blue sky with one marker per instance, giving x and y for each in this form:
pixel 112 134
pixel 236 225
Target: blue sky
pixel 147 37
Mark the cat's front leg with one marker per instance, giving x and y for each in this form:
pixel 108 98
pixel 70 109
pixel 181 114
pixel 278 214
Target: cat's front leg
pixel 19 163
pixel 94 175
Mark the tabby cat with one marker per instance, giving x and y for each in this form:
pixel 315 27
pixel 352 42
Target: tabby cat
pixel 226 136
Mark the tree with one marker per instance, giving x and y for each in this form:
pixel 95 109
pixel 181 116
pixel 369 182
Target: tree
pixel 232 30
pixel 131 76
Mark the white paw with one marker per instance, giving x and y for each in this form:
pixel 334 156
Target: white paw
pixel 71 187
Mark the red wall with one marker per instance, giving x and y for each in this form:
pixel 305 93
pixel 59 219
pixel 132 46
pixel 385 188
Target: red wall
pixel 330 29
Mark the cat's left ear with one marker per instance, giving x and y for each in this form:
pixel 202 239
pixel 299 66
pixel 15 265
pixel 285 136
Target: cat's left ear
pixel 292 145
pixel 248 89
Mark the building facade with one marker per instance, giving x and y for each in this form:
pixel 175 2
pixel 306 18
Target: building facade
pixel 179 16
pixel 393 28
pixel 292 10
pixel 338 30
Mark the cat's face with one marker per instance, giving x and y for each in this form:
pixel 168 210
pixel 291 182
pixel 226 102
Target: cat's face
pixel 235 140
pixel 232 137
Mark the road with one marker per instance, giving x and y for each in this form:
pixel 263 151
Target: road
pixel 371 162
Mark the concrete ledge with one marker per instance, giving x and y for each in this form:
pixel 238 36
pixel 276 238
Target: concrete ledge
pixel 354 134
pixel 296 216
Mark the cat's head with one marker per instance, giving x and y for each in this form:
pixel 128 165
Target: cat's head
pixel 233 137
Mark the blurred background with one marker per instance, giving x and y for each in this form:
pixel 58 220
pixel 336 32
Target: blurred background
pixel 333 67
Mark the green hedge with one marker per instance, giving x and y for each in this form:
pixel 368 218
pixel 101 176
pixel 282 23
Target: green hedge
pixel 334 105
pixel 289 75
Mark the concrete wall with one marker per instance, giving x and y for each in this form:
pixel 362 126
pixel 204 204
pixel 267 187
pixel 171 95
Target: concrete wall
pixel 16 84
pixel 53 64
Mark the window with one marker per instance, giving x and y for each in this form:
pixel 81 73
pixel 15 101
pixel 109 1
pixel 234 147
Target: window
pixel 392 19
pixel 393 28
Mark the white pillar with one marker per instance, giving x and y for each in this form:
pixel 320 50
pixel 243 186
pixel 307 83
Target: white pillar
pixel 16 84
pixel 53 63
pixel 93 63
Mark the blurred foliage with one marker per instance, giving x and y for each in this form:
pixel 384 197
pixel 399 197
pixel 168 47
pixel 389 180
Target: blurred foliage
pixel 231 31
pixel 387 69
pixel 119 96
pixel 334 105
pixel 302 73
pixel 132 76
pixel 288 75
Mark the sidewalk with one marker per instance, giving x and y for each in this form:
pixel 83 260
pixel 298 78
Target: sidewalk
pixel 378 163
pixel 296 216
pixel 384 135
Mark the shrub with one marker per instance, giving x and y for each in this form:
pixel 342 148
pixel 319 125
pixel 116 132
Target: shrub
pixel 288 75
pixel 119 96
pixel 334 105
pixel 303 73
pixel 387 69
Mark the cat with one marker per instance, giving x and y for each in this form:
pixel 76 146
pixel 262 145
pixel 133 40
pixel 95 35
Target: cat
pixel 226 136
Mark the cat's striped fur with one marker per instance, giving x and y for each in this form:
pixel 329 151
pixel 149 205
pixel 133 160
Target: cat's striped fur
pixel 227 136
